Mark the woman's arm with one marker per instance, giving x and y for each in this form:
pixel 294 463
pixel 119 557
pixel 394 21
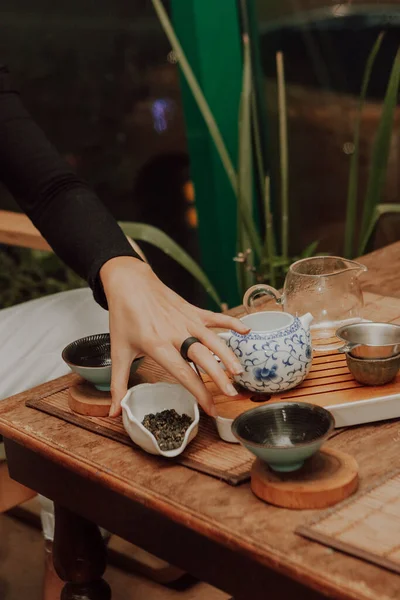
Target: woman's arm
pixel 146 317
pixel 65 210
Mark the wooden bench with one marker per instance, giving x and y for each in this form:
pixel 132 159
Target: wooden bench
pixel 17 230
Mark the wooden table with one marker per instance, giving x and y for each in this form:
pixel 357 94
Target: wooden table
pixel 222 535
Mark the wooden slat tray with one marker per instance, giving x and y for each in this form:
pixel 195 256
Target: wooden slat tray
pixel 366 526
pixel 329 384
pixel 207 453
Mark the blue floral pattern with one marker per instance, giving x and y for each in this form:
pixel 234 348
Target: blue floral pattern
pixel 273 362
pixel 264 374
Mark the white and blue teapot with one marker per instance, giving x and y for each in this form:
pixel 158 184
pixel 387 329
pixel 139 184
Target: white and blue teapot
pixel 276 354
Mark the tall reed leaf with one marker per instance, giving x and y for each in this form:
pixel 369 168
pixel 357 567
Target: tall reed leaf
pixel 147 233
pixel 269 248
pixel 208 118
pixel 245 168
pixel 196 91
pixel 352 190
pixel 380 210
pixel 284 154
pixel 380 153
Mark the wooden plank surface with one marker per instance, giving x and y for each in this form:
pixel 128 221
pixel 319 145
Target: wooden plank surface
pixel 231 518
pixel 17 230
pixel 244 529
pixel 382 276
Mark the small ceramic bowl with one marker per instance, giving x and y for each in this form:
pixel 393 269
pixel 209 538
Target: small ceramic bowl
pixel 284 434
pixel 90 357
pixel 153 398
pixel 370 371
pixel 224 428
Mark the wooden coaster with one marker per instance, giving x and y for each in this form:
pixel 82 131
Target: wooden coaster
pixel 325 479
pixel 85 399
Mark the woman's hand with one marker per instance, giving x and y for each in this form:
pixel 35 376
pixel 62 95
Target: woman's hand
pixel 148 318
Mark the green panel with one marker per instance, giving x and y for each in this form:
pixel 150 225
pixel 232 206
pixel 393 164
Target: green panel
pixel 210 35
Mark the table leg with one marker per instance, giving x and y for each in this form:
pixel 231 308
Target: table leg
pixel 79 556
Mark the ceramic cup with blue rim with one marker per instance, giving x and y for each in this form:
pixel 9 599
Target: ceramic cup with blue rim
pixel 284 434
pixel 276 354
pixel 90 357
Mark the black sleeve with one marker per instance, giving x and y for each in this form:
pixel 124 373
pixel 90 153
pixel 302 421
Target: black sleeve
pixel 66 211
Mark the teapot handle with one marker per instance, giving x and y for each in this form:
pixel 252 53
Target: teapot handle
pixel 254 293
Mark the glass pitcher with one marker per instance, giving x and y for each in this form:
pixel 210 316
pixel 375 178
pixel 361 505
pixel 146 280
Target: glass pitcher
pixel 325 286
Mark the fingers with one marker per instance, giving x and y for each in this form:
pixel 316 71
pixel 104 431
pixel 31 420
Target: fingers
pixel 225 322
pixel 203 357
pixel 168 357
pixel 121 361
pixel 215 344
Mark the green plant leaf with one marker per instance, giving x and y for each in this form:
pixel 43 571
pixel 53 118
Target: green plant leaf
pixel 383 209
pixel 245 172
pixel 283 152
pixel 269 243
pixel 156 237
pixel 380 154
pixel 196 91
pixel 208 118
pixel 310 250
pixel 277 261
pixel 380 209
pixel 352 189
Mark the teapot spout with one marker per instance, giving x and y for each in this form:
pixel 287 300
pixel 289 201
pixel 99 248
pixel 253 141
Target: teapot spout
pixel 306 319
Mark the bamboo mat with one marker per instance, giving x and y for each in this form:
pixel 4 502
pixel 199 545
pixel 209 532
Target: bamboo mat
pixel 207 453
pixel 366 526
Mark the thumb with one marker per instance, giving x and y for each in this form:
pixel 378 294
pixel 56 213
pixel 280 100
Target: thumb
pixel 121 361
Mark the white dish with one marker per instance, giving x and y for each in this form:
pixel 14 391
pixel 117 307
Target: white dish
pixel 366 411
pixel 224 428
pixel 153 398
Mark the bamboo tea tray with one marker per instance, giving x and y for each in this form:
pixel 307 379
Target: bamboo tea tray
pixel 331 385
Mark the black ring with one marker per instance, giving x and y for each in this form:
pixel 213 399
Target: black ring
pixel 186 345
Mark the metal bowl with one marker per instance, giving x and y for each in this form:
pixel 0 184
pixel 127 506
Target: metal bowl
pixel 284 434
pixel 90 357
pixel 371 371
pixel 370 340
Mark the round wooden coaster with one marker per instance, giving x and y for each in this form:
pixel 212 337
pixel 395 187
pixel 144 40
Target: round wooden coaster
pixel 85 399
pixel 325 479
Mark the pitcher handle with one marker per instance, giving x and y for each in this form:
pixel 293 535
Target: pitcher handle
pixel 260 290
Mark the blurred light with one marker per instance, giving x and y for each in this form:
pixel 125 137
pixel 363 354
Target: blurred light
pixel 348 148
pixel 172 57
pixel 188 191
pixel 161 109
pixel 191 217
pixel 342 9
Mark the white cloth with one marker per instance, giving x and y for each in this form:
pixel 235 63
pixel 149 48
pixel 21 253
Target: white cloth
pixel 33 335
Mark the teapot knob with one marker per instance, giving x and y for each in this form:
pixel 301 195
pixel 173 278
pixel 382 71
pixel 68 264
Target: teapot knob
pixel 306 319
